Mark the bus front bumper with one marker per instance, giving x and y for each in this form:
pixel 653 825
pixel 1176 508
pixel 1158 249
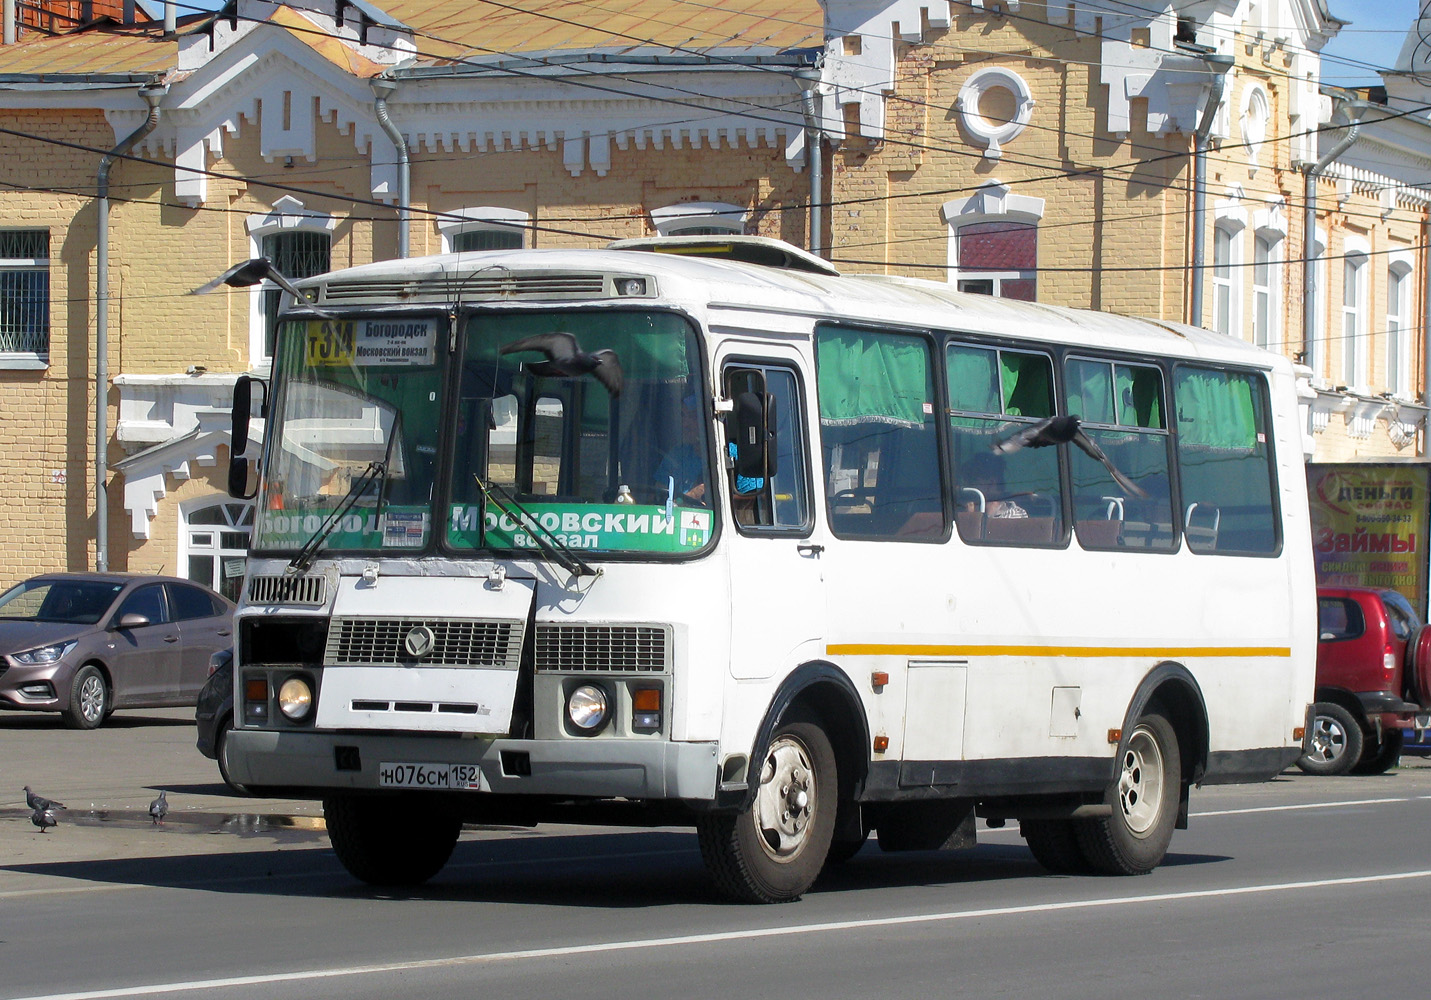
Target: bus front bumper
pixel 317 762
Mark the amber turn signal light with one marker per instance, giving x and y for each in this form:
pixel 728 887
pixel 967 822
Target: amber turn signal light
pixel 1115 736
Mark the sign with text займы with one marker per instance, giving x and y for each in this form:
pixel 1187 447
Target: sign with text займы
pixel 1369 526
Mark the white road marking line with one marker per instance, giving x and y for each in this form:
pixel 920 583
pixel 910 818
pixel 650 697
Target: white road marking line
pixel 744 934
pixel 1312 805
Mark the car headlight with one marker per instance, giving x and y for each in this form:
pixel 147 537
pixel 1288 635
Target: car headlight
pixel 587 708
pixel 295 698
pixel 45 654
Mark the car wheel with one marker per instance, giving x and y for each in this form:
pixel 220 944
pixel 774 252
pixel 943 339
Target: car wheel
pixel 89 699
pixel 774 850
pixel 1336 741
pixel 1378 758
pixel 221 752
pixel 390 839
pixel 1134 839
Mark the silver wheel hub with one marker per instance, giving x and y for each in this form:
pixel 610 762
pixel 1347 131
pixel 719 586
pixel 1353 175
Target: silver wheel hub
pixel 1329 740
pixel 786 800
pixel 1140 782
pixel 91 697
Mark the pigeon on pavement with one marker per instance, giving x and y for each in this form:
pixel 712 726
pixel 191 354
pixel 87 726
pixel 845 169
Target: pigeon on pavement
pixel 565 359
pixel 159 808
pixel 44 819
pixel 39 802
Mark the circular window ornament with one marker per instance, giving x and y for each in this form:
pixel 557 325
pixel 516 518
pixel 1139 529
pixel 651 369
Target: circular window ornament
pixel 1255 115
pixel 994 106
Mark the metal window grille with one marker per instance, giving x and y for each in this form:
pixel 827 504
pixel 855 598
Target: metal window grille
pixel 25 291
pixel 486 239
pixel 300 253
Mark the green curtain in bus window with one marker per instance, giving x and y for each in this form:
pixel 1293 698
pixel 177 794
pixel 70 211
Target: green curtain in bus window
pixel 973 383
pixel 871 377
pixel 1028 384
pixel 1090 395
pixel 1139 396
pixel 1216 410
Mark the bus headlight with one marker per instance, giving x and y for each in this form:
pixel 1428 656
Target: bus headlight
pixel 295 698
pixel 587 708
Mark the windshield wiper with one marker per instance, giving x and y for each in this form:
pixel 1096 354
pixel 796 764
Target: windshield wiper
pixel 552 547
pixel 375 472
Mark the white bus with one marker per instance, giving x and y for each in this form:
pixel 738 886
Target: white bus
pixel 699 531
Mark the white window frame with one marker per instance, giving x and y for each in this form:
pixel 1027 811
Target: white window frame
pixel 1400 329
pixel 1353 330
pixel 1318 304
pixel 674 220
pixel 39 357
pixel 1227 279
pixel 1267 295
pixel 994 202
pixel 483 219
pixel 189 548
pixel 288 214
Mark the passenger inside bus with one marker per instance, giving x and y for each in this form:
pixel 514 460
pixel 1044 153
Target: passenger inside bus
pixel 982 488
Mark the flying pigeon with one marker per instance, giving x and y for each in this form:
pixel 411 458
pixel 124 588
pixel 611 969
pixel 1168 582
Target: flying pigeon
pixel 566 359
pixel 1058 430
pixel 159 808
pixel 44 819
pixel 39 803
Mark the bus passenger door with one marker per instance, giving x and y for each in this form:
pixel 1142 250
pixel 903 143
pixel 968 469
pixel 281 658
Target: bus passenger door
pixel 777 603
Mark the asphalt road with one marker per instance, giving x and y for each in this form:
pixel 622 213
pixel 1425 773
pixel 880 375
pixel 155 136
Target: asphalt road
pixel 1299 888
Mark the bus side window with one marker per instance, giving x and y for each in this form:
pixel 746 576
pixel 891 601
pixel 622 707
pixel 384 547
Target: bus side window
pixel 1225 463
pixel 781 499
pixel 878 436
pixel 1013 499
pixel 1121 410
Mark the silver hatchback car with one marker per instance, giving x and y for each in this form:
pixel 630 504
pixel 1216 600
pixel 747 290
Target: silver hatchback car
pixel 85 644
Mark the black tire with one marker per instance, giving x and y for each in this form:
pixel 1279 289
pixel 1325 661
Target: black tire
pixel 390 840
pixel 221 753
pixel 89 699
pixel 1378 758
pixel 773 851
pixel 1054 843
pixel 1336 741
pixel 1145 795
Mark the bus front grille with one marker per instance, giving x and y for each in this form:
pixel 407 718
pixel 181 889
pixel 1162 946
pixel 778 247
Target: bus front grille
pixel 286 589
pixel 610 648
pixel 455 642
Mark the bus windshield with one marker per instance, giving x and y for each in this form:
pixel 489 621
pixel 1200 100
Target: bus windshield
pixel 355 422
pixel 584 427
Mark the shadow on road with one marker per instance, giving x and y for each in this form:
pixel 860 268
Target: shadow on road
pixel 621 870
pixel 49 721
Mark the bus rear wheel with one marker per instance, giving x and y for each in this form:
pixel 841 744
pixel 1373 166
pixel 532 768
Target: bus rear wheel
pixel 390 840
pixel 1054 843
pixel 773 851
pixel 1134 839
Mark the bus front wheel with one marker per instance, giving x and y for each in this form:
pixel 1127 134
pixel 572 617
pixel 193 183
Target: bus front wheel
pixel 1134 839
pixel 390 840
pixel 773 851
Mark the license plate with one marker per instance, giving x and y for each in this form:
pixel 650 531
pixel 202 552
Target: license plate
pixel 461 777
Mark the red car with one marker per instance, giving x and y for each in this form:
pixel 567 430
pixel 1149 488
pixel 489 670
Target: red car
pixel 1373 680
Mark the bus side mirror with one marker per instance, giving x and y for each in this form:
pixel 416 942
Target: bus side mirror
pixel 754 435
pixel 238 436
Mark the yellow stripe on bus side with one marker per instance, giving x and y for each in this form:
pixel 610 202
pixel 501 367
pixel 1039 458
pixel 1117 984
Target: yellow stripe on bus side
pixel 1161 652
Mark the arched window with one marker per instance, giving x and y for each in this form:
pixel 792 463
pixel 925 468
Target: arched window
pixel 300 244
pixel 471 229
pixel 213 541
pixel 699 218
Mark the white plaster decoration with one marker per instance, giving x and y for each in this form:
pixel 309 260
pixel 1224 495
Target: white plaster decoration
pixel 1322 408
pixel 993 198
pixel 1228 212
pixel 990 133
pixel 573 154
pixel 463 220
pixel 1272 220
pixel 1403 423
pixel 1361 416
pixel 713 214
pixel 288 213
